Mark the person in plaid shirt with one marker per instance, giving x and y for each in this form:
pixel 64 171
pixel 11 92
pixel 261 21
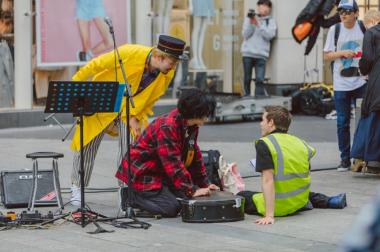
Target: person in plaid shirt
pixel 158 171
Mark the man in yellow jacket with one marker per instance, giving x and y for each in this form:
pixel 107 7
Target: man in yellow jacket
pixel 284 161
pixel 149 71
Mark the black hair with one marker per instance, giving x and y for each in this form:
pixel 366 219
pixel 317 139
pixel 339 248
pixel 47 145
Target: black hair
pixel 265 2
pixel 195 104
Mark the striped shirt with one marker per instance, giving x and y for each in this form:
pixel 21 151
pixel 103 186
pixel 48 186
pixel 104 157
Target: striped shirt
pixel 148 77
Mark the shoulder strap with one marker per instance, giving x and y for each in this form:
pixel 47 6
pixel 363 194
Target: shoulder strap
pixel 362 27
pixel 336 34
pixel 189 152
pixel 337 31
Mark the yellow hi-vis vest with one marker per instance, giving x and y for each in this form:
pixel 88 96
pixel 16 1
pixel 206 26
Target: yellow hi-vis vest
pixel 291 157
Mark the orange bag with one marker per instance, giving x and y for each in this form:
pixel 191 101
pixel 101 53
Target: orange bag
pixel 301 31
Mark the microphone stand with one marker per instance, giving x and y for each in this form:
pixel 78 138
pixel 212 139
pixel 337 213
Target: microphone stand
pixel 129 213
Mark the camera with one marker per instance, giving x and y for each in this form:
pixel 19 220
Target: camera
pixel 251 13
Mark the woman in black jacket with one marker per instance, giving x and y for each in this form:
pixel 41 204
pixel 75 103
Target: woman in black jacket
pixel 366 145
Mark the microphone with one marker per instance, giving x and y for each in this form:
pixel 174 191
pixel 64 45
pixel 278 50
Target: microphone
pixel 108 21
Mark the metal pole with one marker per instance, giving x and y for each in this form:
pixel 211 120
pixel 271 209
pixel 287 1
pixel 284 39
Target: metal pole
pixel 23 54
pixel 82 210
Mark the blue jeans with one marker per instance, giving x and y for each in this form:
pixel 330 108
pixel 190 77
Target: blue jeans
pixel 259 65
pixel 343 101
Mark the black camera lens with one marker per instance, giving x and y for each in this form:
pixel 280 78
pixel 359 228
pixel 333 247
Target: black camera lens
pixel 251 13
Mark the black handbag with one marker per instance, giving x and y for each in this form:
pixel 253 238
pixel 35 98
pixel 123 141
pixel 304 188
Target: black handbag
pixel 211 161
pixel 313 101
pixel 218 207
pixel 350 72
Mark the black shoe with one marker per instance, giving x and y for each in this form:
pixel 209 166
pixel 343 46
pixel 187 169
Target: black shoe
pixel 141 213
pixel 344 166
pixel 82 56
pixel 138 212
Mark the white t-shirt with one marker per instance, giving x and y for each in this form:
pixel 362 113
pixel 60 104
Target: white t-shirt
pixel 349 39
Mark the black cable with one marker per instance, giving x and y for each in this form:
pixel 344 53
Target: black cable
pixel 324 169
pixel 251 176
pixel 92 190
pixel 114 55
pixel 131 224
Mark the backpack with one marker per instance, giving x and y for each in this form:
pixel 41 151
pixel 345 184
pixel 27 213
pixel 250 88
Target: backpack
pixel 211 161
pixel 313 100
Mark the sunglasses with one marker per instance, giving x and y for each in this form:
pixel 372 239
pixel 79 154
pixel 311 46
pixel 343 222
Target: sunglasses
pixel 345 12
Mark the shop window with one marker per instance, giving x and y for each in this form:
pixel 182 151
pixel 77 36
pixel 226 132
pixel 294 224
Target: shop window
pixel 211 30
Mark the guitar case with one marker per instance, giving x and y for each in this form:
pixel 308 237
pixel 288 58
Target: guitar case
pixel 218 207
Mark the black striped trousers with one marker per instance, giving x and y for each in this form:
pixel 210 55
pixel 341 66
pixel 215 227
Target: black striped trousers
pixel 90 151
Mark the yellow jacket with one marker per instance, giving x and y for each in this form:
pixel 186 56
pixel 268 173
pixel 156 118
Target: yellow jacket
pixel 102 68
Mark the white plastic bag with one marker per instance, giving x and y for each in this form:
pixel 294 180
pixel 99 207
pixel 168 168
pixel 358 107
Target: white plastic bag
pixel 230 176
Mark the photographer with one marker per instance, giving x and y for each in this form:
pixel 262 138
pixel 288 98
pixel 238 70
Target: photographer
pixel 259 29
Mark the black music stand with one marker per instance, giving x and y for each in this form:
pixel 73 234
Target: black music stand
pixel 83 98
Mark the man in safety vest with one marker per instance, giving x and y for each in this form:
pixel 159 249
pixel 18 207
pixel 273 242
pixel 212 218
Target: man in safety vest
pixel 284 161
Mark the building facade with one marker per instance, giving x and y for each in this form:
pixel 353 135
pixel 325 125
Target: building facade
pixel 212 32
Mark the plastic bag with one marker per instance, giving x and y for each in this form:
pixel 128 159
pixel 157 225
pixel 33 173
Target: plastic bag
pixel 230 176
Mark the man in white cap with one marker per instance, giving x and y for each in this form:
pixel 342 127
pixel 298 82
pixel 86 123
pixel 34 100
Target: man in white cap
pixel 344 48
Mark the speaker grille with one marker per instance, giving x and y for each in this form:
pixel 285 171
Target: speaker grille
pixel 16 187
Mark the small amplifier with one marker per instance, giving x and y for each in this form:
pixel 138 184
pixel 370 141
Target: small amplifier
pixel 16 187
pixel 29 218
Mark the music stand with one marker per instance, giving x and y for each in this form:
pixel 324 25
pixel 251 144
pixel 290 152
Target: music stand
pixel 83 98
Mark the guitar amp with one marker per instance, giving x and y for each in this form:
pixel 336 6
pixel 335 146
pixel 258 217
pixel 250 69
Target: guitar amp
pixel 16 187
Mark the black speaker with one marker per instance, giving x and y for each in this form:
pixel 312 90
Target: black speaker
pixel 16 187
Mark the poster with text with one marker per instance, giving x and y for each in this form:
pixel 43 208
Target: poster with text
pixel 72 32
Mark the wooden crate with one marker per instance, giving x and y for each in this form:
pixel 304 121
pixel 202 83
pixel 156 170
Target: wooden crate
pixel 42 78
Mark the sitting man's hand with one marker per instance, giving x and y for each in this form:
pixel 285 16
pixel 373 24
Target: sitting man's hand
pixel 213 187
pixel 201 192
pixel 265 221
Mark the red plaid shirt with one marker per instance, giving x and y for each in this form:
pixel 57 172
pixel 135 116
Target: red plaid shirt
pixel 157 156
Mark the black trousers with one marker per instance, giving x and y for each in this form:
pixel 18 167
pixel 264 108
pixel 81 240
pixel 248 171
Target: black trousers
pixel 318 200
pixel 159 202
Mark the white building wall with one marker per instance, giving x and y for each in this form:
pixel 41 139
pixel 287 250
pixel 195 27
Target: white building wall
pixel 286 65
pixel 23 54
pixel 143 24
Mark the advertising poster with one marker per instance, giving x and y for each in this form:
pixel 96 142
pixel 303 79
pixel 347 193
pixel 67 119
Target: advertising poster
pixel 71 32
